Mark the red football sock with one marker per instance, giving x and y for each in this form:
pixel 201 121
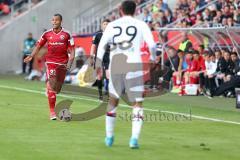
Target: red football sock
pixel 183 82
pixel 51 100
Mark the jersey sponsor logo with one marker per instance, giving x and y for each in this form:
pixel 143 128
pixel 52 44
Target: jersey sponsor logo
pixel 56 43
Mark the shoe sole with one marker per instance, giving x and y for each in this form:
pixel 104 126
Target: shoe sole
pixel 209 97
pixel 108 145
pixel 134 147
pixel 53 118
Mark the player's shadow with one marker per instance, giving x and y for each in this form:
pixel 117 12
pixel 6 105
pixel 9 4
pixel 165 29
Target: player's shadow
pixel 120 66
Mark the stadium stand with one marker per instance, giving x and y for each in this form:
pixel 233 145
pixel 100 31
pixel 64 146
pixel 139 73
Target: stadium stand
pixel 183 14
pixel 13 8
pixel 91 20
pixel 198 75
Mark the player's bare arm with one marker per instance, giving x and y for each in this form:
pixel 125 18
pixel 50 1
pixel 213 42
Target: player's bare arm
pixel 71 52
pixel 34 52
pixel 92 53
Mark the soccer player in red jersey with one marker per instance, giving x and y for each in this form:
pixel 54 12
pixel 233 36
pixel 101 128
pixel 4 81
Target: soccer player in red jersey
pixel 59 58
pixel 194 69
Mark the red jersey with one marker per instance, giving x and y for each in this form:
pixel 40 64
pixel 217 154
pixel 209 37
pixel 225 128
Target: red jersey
pixel 57 44
pixel 194 66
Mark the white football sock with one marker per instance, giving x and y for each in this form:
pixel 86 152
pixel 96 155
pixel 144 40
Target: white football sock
pixel 110 122
pixel 137 121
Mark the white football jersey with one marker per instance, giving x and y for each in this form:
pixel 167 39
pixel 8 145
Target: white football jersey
pixel 128 35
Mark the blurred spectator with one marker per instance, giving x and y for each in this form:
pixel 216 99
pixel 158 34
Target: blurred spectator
pixel 168 16
pixel 199 19
pixel 147 17
pixel 230 22
pixel 172 63
pixel 149 7
pixel 194 6
pixel 219 17
pixel 218 55
pixel 226 12
pixel 159 5
pixel 236 16
pixel 235 59
pixel 210 73
pixel 177 75
pixel 193 69
pixel 175 15
pixel 225 68
pixel 156 26
pixel 227 88
pixel 206 15
pixel 139 2
pixel 4 8
pixel 186 44
pixel 187 13
pixel 219 4
pixel 28 46
pixel 161 19
pixel 183 5
pixel 224 21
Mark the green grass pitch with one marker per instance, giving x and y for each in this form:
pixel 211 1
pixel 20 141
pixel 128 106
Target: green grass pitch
pixel 26 133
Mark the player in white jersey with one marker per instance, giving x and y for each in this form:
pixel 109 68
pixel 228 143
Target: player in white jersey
pixel 126 35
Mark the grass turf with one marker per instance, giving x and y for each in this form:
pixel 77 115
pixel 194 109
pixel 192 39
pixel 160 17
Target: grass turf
pixel 26 133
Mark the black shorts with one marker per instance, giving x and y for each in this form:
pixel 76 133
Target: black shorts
pixel 105 65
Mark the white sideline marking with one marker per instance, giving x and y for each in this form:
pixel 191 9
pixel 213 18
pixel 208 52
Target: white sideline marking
pixel 20 104
pixel 43 93
pixel 122 105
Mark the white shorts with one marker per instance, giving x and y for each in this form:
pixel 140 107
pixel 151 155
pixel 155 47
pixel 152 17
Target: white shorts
pixel 132 84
